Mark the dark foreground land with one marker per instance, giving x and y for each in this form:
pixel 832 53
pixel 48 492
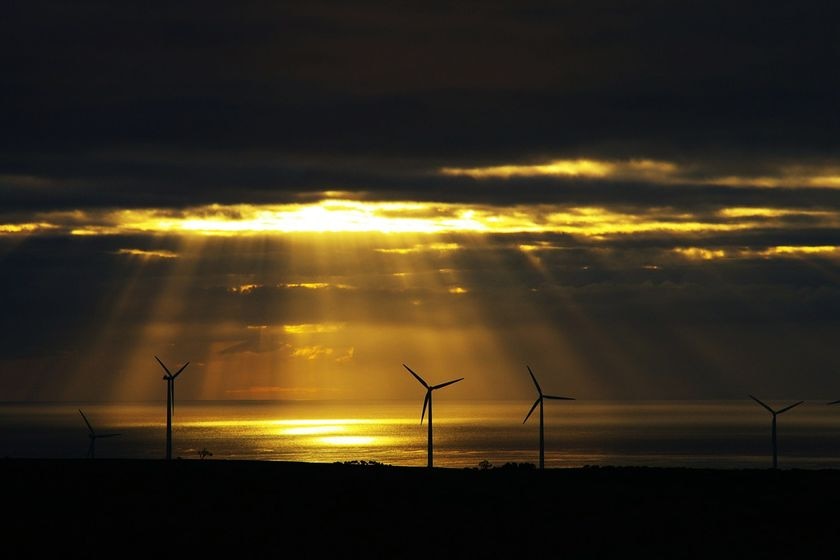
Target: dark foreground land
pixel 122 508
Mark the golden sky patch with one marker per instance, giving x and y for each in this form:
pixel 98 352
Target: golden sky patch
pixel 589 168
pixel 748 212
pixel 803 250
pixel 31 227
pixel 313 328
pixel 156 254
pixel 656 171
pixel 700 253
pixel 244 288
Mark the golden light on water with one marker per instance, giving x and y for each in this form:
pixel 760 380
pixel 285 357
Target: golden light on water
pixel 349 440
pixel 313 430
pixel 290 426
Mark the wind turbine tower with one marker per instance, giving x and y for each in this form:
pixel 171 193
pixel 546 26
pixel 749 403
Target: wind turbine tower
pixel 428 402
pixel 773 429
pixel 93 435
pixel 170 403
pixel 539 401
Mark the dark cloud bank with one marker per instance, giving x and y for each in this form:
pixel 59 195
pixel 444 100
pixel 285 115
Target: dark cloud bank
pixel 138 104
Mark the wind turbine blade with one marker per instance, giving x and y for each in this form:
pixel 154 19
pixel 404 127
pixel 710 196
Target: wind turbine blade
pixel 833 402
pixel 172 400
pixel 109 435
pixel 177 373
pixel 770 410
pixel 558 398
pixel 539 390
pixel 166 369
pixel 536 402
pixel 425 402
pixel 785 409
pixel 86 421
pixel 420 379
pixel 447 383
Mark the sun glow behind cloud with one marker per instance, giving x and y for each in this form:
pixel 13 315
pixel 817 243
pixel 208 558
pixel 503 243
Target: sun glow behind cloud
pixel 415 218
pixel 306 300
pixel 274 317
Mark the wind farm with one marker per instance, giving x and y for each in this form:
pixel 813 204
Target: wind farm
pixel 244 491
pixel 638 203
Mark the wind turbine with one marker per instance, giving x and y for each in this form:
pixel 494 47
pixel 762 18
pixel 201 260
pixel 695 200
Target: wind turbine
pixel 539 401
pixel 428 402
pixel 93 435
pixel 773 431
pixel 170 402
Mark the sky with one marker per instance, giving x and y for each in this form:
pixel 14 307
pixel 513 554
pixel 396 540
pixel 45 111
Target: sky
pixel 640 200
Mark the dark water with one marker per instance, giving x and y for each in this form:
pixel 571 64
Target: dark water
pixel 718 434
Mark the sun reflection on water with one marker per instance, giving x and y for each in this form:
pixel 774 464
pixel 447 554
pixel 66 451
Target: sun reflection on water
pixel 350 440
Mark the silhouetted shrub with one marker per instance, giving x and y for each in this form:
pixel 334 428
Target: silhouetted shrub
pixel 369 463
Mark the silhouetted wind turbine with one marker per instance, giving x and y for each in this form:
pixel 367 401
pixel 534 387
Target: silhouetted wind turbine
pixel 170 402
pixel 773 431
pixel 539 401
pixel 93 435
pixel 428 402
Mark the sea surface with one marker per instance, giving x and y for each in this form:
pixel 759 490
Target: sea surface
pixel 703 434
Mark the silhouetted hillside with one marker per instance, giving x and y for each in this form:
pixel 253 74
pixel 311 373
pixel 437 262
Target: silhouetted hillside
pixel 372 510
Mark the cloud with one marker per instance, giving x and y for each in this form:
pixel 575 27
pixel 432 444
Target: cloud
pixel 374 102
pixel 143 253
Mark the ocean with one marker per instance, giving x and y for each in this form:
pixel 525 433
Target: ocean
pixel 702 434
